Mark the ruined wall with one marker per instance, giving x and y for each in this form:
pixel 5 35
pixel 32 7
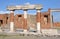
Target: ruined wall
pixel 31 21
pixel 56 24
pixel 4 19
pixel 45 20
pixel 18 21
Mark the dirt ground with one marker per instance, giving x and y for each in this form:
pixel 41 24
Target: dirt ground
pixel 27 37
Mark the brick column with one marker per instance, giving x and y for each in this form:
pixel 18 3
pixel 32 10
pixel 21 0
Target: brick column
pixel 11 21
pixel 38 21
pixel 25 21
pixel 51 24
pixel 49 16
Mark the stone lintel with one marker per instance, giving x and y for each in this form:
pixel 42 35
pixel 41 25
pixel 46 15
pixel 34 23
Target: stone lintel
pixel 22 7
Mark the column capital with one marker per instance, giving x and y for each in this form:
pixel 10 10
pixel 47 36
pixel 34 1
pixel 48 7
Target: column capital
pixel 24 9
pixel 38 10
pixel 11 11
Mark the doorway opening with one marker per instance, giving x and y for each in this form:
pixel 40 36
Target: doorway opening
pixel 1 22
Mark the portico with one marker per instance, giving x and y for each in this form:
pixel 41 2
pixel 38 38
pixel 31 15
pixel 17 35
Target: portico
pixel 25 8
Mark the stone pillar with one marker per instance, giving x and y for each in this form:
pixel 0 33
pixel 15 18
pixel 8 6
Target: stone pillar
pixel 11 21
pixel 25 21
pixel 38 21
pixel 49 16
pixel 51 24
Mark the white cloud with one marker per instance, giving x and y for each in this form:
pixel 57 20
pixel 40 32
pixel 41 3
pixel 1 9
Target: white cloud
pixel 27 3
pixel 4 12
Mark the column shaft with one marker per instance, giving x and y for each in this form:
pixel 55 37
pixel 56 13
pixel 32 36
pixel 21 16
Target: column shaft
pixel 11 21
pixel 25 21
pixel 38 21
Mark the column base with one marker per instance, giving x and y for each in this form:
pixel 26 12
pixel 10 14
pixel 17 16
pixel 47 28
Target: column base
pixel 25 31
pixel 11 31
pixel 0 30
pixel 38 32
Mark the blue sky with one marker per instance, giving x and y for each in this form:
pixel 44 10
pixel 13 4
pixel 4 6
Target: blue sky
pixel 45 3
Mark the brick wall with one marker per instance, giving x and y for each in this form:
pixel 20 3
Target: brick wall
pixel 19 20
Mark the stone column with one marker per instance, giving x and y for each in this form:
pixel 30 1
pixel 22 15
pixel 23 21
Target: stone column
pixel 25 21
pixel 38 21
pixel 11 21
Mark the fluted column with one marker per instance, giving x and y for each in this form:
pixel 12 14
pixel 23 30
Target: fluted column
pixel 25 21
pixel 11 21
pixel 38 21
